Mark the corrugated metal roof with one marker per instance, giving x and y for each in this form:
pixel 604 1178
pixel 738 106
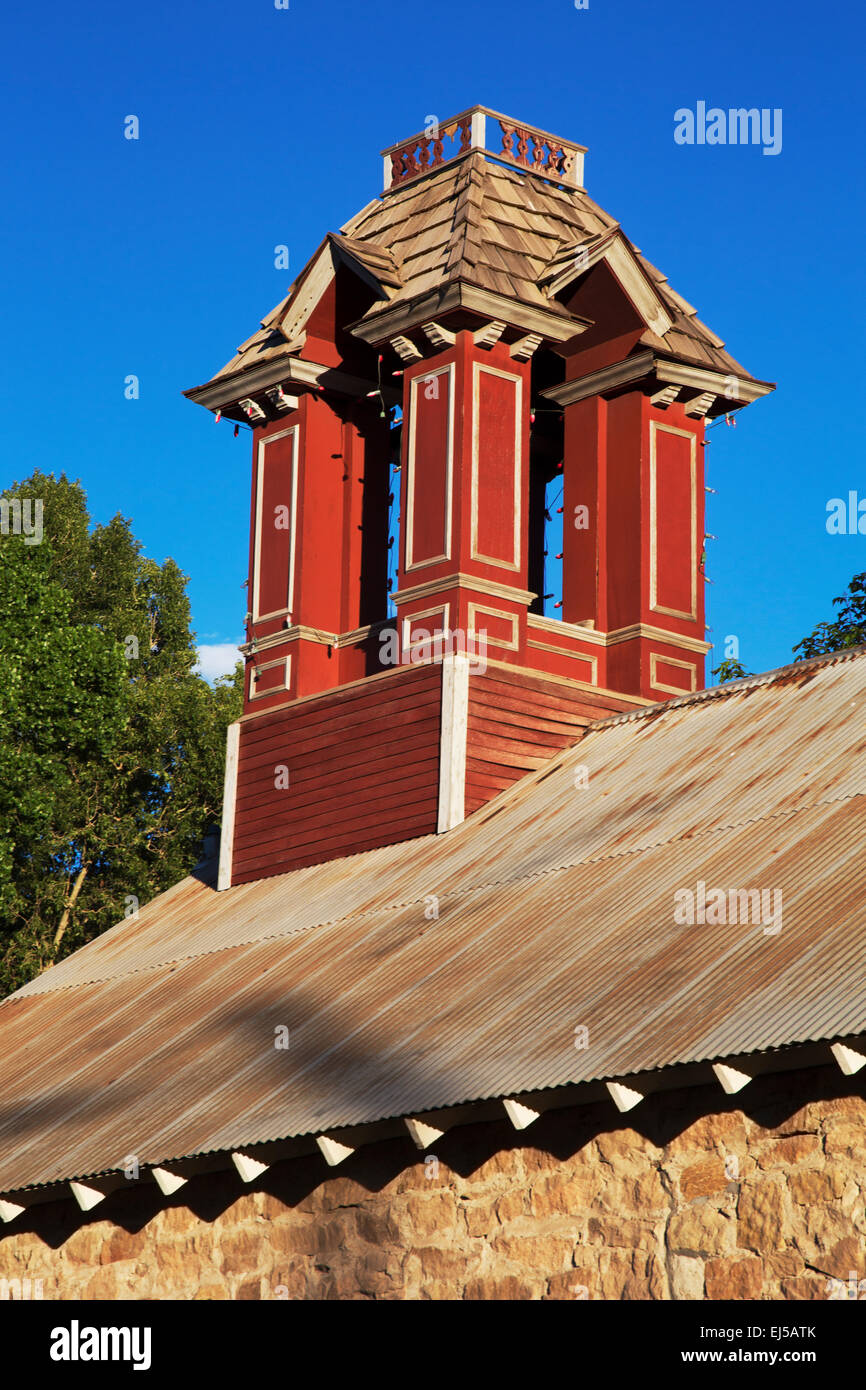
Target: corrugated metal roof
pixel 556 908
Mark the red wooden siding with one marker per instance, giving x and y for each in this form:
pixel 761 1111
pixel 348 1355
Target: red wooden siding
pixel 362 765
pixel 517 721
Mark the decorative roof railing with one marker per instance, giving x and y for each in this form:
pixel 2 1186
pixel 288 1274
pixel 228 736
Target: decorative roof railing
pixel 523 147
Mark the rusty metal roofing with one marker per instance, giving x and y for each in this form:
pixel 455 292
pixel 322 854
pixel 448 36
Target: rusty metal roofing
pixel 555 909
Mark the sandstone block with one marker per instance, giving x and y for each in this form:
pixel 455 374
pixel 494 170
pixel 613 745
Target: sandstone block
pixel 270 1207
pixel 624 1147
pixel 761 1216
pixel 687 1277
pixel 734 1278
pixel 111 1282
pixel 444 1266
pixel 536 1161
pixel 542 1254
pixel 240 1251
pixel 564 1195
pixel 709 1133
pixel 574 1284
pixel 426 1214
pixel 703 1179
pixel 342 1192
pixel 505 1163
pixel 846 1257
pixel 336 1231
pixel 439 1291
pixel 506 1287
pixel 210 1293
pixel 511 1205
pixel 286 1282
pixel 845 1139
pixel 628 1235
pixel 177 1220
pixel 795 1148
pixel 124 1245
pixel 249 1289
pixel 84 1245
pixel 804 1288
pixel 629 1276
pixel 809 1187
pixel 701 1230
pixel 480 1218
pixel 292 1235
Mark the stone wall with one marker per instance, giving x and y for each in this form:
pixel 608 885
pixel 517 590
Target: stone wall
pixel 696 1196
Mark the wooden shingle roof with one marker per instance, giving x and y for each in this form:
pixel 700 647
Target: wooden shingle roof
pixel 486 225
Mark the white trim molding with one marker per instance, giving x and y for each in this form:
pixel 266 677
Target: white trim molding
pixel 452 740
pixel 408 644
pixel 463 581
pixel 655 658
pixel 256 671
pixel 572 652
pixel 511 645
pixel 230 789
pixel 620 634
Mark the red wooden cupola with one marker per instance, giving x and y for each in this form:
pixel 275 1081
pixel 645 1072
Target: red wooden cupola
pixel 480 352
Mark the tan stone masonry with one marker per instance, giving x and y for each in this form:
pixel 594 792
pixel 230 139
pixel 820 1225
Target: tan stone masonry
pixel 692 1198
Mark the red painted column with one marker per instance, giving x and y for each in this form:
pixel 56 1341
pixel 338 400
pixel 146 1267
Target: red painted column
pixel 633 539
pixel 317 546
pixel 465 499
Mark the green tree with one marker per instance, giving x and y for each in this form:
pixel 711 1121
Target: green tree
pixel 111 746
pixel 849 629
pixel 730 670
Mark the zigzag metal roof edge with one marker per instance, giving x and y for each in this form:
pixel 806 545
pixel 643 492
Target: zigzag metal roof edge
pixel 655 1082
pixel 726 688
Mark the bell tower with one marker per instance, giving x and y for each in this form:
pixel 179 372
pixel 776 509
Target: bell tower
pixel 480 352
pixel 465 492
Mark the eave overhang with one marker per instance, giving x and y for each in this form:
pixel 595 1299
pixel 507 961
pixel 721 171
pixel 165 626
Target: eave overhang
pixel 667 377
pixel 292 373
pixel 707 1074
pixel 554 324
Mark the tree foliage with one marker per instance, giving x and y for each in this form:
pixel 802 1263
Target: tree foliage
pixel 730 670
pixel 111 746
pixel 848 629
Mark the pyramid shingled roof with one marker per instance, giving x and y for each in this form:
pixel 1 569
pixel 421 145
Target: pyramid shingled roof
pixel 484 224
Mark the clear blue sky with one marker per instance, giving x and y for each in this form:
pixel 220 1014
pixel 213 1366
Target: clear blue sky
pixel 262 126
